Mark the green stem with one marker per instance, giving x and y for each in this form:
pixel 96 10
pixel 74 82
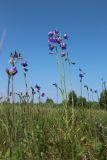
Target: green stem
pixel 60 72
pixel 57 95
pixel 8 89
pixel 12 89
pixel 65 91
pixel 81 93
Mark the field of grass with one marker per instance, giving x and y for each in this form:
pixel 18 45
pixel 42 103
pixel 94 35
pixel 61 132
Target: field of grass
pixel 43 132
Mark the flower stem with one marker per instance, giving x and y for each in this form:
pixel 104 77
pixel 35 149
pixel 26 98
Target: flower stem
pixel 8 90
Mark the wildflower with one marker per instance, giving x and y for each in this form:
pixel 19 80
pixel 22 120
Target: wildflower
pixel 72 63
pixel 12 71
pixel 81 75
pixel 56 31
pixel 63 46
pixel 51 47
pixel 54 84
pixel 65 36
pixel 20 56
pixel 96 91
pixel 43 94
pixel 25 69
pixel 54 40
pixel 59 40
pixel 50 39
pixel 37 87
pixel 24 64
pixel 16 55
pixel 33 91
pixel 51 33
pixel 86 87
pixel 63 54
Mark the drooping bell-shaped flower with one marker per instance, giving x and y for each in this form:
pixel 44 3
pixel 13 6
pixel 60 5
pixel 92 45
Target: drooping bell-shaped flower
pixel 81 75
pixel 43 94
pixel 25 69
pixel 24 64
pixel 15 55
pixel 58 39
pixel 63 46
pixel 65 36
pixel 51 47
pixel 56 31
pixel 63 54
pixel 72 63
pixel 37 87
pixel 54 40
pixel 50 34
pixel 54 84
pixel 96 91
pixel 86 87
pixel 12 71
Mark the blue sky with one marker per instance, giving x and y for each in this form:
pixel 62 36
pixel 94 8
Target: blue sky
pixel 27 24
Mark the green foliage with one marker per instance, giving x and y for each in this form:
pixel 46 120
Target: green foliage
pixel 72 98
pixel 49 101
pixel 94 105
pixel 103 99
pixel 81 101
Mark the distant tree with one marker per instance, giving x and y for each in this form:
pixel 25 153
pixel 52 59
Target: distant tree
pixel 103 99
pixel 81 101
pixel 72 98
pixel 49 101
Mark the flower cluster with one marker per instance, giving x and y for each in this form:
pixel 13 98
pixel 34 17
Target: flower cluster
pixel 38 88
pixel 14 57
pixel 55 39
pixel 81 74
pixel 11 71
pixel 24 65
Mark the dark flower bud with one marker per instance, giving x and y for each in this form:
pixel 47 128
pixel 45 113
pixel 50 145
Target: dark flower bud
pixel 54 84
pixel 43 94
pixel 24 64
pixel 37 87
pixel 81 75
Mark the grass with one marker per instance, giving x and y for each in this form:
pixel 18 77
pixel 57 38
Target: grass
pixel 40 132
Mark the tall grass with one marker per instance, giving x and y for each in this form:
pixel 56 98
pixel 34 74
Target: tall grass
pixel 39 132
